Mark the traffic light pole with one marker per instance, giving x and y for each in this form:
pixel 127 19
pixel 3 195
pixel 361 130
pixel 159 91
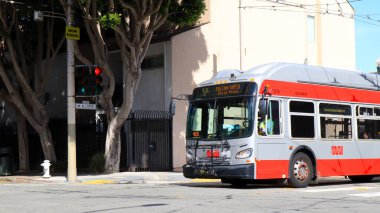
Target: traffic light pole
pixel 71 130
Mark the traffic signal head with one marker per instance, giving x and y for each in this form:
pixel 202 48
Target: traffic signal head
pixel 98 80
pixel 88 81
pixel 81 81
pixel 98 71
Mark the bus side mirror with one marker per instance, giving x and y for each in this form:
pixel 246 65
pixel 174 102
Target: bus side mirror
pixel 263 105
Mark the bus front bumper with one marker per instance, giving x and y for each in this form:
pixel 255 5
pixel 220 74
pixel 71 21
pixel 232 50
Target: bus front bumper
pixel 246 171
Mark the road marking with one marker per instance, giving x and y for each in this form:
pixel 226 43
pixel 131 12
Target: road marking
pixel 5 180
pixel 374 194
pixel 98 182
pixel 338 189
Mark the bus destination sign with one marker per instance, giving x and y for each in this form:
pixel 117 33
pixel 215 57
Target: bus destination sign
pixel 223 90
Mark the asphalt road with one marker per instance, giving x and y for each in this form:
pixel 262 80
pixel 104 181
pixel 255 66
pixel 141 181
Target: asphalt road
pixel 330 195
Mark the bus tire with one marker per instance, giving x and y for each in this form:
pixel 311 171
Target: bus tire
pixel 238 182
pixel 225 180
pixel 361 178
pixel 301 171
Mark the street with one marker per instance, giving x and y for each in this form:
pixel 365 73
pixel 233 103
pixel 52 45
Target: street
pixel 333 195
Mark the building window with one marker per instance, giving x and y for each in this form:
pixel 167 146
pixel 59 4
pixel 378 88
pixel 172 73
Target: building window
pixel 311 29
pixel 335 121
pixel 302 119
pixel 368 123
pixel 153 62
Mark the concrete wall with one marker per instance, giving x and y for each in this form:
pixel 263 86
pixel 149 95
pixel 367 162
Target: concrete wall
pixel 151 90
pixel 56 87
pixel 282 35
pixel 265 36
pixel 338 37
pixel 197 55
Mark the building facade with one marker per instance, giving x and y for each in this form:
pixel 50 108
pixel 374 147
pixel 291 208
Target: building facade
pixel 237 34
pixel 242 34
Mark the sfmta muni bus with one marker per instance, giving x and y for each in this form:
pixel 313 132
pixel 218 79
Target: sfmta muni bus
pixel 284 121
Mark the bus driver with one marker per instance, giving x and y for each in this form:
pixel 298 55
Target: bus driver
pixel 265 126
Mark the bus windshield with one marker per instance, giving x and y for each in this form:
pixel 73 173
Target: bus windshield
pixel 220 118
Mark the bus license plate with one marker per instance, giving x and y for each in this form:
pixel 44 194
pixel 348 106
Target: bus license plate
pixel 215 153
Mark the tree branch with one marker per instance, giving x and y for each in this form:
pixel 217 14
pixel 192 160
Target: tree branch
pixel 129 7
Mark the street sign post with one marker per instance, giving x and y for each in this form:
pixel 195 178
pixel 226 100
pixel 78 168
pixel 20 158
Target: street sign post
pixel 85 106
pixel 72 33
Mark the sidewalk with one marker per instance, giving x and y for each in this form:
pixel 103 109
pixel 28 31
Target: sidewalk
pixel 115 178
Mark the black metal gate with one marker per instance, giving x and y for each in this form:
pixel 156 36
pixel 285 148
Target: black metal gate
pixel 149 141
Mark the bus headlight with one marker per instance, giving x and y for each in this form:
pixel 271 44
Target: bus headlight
pixel 246 153
pixel 189 156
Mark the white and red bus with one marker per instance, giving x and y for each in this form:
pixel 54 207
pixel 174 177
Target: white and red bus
pixel 318 122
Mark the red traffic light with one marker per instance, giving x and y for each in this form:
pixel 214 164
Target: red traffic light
pixel 98 71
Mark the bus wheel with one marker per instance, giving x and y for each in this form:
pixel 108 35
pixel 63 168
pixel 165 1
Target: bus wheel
pixel 361 178
pixel 238 182
pixel 301 171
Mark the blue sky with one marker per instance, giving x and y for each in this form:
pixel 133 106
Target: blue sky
pixel 367 35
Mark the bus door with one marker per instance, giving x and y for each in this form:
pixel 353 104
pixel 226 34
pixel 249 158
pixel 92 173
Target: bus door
pixel 271 150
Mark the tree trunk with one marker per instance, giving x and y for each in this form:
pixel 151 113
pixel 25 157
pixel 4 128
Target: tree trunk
pixel 47 144
pixel 113 146
pixel 23 143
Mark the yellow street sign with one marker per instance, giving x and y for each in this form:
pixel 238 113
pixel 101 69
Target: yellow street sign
pixel 72 33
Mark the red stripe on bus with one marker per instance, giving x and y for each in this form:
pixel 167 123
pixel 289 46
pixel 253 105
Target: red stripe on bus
pixel 322 92
pixel 271 169
pixel 343 167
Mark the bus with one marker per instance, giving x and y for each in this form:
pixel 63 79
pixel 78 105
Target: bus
pixel 284 121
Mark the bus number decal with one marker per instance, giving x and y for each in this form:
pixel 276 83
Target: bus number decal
pixel 337 150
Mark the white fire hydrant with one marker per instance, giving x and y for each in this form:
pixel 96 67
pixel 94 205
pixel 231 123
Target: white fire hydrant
pixel 46 164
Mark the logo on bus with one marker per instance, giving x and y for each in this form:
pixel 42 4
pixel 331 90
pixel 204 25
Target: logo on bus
pixel 337 150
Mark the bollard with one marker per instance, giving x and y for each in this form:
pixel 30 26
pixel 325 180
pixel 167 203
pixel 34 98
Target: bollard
pixel 46 164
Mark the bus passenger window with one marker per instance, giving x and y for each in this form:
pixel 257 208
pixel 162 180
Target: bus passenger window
pixel 302 119
pixel 368 123
pixel 270 124
pixel 368 129
pixel 335 121
pixel 336 128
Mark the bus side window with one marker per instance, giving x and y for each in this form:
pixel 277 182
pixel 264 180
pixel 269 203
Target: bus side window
pixel 368 123
pixel 302 119
pixel 270 123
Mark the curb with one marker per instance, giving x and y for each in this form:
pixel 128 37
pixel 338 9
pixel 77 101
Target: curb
pixel 116 178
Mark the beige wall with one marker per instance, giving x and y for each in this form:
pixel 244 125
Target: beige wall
pixel 266 36
pixel 272 36
pixel 196 56
pixel 338 38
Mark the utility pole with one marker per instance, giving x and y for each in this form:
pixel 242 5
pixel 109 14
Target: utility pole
pixel 71 130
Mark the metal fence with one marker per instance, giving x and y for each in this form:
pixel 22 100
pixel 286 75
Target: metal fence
pixel 149 141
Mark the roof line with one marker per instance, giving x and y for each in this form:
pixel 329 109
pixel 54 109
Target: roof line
pixel 349 3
